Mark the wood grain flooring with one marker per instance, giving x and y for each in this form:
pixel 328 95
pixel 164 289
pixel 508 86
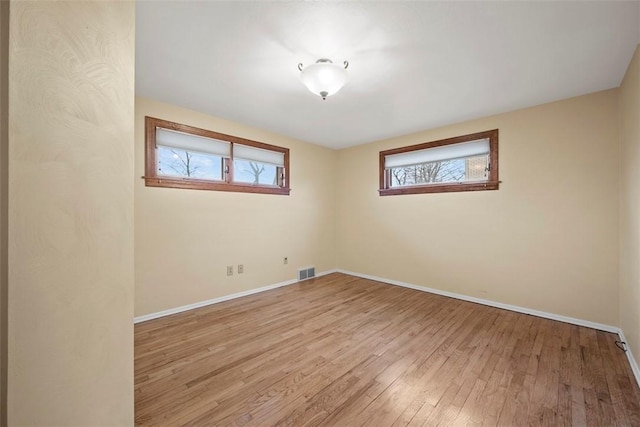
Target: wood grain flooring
pixel 345 351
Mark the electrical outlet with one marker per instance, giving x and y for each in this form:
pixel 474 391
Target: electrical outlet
pixel 240 268
pixel 229 270
pixel 286 260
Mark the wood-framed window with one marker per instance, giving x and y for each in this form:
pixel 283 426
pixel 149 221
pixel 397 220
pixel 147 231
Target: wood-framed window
pixel 182 156
pixel 462 163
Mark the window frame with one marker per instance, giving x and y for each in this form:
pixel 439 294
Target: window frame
pixel 492 182
pixel 152 179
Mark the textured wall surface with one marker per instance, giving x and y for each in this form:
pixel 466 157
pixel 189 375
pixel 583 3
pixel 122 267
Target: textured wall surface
pixel 4 195
pixel 71 125
pixel 184 239
pixel 546 240
pixel 630 205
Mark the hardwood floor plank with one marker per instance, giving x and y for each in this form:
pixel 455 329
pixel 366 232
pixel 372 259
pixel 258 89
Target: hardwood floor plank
pixel 346 351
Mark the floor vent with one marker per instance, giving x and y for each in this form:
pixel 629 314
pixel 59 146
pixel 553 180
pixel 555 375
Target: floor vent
pixel 306 273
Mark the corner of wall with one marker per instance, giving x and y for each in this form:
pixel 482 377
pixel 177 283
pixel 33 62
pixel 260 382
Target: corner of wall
pixel 629 283
pixel 302 224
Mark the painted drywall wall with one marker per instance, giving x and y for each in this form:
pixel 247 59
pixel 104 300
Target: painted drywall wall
pixel 630 204
pixel 4 195
pixel 546 240
pixel 71 120
pixel 185 239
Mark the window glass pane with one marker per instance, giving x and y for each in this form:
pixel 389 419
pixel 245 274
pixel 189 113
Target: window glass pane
pixel 467 169
pixel 188 164
pixel 256 173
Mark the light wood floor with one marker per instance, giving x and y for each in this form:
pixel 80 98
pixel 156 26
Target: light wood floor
pixel 340 350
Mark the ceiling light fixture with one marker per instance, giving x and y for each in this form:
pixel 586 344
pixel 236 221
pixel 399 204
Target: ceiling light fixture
pixel 324 78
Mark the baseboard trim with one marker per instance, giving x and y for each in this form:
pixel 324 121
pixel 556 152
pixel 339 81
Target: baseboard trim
pixel 544 314
pixel 632 360
pixel 566 319
pixel 223 298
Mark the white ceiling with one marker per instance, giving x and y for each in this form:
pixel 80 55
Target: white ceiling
pixel 413 65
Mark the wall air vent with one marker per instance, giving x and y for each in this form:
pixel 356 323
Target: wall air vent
pixel 306 273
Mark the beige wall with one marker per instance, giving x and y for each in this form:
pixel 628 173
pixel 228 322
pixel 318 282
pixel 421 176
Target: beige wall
pixel 4 171
pixel 71 115
pixel 630 205
pixel 184 239
pixel 547 240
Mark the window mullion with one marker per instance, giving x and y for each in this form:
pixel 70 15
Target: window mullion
pixel 230 164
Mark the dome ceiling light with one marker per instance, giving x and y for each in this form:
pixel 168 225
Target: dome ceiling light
pixel 324 78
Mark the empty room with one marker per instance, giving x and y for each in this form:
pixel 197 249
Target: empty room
pixel 319 213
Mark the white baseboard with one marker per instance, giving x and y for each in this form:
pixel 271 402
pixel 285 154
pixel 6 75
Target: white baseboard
pixel 518 309
pixel 490 303
pixel 543 314
pixel 632 360
pixel 187 307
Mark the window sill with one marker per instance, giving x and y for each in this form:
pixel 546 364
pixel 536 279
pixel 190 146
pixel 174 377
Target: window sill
pixel 196 184
pixel 440 188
